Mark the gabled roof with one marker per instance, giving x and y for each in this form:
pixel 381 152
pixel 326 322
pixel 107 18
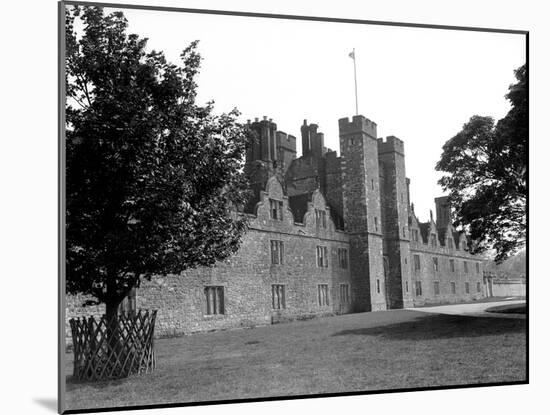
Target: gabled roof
pixel 444 234
pixel 424 231
pixel 413 221
pixel 299 205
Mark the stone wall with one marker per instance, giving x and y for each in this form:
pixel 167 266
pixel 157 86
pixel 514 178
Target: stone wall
pixel 74 308
pixel 428 276
pixel 504 287
pixel 247 277
pixel 367 190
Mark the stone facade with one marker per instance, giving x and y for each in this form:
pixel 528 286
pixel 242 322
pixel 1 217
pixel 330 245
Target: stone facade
pixel 327 235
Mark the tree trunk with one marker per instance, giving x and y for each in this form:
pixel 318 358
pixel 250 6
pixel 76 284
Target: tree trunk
pixel 114 347
pixel 112 303
pixel 113 339
pixel 111 312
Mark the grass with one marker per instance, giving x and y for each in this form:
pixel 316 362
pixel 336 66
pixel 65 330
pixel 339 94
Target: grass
pixel 354 352
pixel 509 309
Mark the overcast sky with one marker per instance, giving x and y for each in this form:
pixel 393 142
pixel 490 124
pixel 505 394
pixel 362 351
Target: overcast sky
pixel 420 85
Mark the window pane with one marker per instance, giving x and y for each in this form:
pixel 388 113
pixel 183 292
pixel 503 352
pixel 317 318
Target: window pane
pixel 206 294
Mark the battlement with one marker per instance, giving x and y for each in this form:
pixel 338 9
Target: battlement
pixel 286 141
pixel 358 124
pixel 391 144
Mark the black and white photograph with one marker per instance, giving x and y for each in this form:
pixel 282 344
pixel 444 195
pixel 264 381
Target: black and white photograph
pixel 287 206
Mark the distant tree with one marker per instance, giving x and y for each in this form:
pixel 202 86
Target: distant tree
pixel 152 178
pixel 486 166
pixel 514 266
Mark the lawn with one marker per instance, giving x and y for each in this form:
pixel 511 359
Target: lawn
pixel 509 309
pixel 354 352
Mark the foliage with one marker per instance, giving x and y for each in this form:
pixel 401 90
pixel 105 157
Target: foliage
pixel 153 179
pixel 514 266
pixel 486 166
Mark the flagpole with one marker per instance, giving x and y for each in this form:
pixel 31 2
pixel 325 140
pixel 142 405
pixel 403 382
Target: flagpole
pixel 355 79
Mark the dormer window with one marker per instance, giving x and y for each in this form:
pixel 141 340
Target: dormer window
pixel 450 243
pixel 415 235
pixel 276 209
pixel 321 218
pixel 464 245
pixel 433 239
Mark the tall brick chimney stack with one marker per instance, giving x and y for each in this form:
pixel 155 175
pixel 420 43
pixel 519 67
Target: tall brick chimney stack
pixel 443 212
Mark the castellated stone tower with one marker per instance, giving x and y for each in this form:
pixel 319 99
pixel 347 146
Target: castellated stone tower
pixel 394 197
pixel 361 208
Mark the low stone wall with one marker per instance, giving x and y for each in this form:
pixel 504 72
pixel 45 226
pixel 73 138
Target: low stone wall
pixel 508 287
pixel 74 308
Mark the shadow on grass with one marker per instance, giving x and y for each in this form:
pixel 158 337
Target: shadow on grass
pixel 509 309
pixel 440 326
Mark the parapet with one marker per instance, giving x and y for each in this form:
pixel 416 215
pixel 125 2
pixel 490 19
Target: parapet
pixel 288 142
pixel 358 124
pixel 391 144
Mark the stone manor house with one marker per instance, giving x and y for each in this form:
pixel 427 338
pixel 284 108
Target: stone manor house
pixel 327 235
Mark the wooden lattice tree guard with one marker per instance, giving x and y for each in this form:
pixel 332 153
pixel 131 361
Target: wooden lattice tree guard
pixel 111 351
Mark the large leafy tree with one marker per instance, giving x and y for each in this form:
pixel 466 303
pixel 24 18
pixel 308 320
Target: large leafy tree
pixel 152 178
pixel 486 175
